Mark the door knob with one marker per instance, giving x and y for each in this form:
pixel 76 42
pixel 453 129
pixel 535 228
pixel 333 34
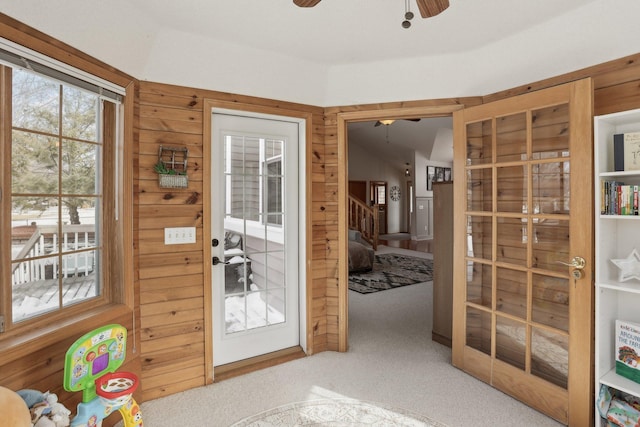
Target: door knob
pixel 215 261
pixel 577 262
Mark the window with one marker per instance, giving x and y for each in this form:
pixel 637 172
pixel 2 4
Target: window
pixel 254 183
pixel 63 189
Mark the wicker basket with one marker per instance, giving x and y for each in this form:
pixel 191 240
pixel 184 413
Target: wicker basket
pixel 173 181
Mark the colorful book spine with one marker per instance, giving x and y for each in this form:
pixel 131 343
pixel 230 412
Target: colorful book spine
pixel 628 350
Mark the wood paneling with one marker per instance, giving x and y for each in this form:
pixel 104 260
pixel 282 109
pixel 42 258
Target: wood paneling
pixel 174 295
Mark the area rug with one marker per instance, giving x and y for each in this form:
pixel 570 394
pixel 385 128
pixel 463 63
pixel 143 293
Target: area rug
pixel 337 413
pixel 392 271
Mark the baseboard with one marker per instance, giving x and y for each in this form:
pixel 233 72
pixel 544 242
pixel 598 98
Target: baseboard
pixel 440 339
pixel 230 370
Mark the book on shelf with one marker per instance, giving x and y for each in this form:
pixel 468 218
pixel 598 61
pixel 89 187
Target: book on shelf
pixel 628 350
pixel 626 151
pixel 616 198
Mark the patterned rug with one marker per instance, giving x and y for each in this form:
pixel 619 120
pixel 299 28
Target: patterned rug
pixel 392 271
pixel 337 413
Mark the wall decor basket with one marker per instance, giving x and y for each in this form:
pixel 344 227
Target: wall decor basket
pixel 173 181
pixel 172 167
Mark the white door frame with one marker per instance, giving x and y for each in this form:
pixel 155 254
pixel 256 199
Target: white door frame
pixel 304 294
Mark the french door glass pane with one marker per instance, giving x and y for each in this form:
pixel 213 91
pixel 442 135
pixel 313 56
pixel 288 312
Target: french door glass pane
pixel 550 356
pixel 511 138
pixel 550 132
pixel 478 334
pixel 512 188
pixel 479 283
pixel 479 190
pixel 479 143
pixel 550 244
pixel 512 240
pixel 551 187
pixel 550 301
pixel 479 237
pixel 511 288
pixel 511 341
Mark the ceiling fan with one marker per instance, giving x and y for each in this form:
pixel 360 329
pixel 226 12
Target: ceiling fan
pixel 387 122
pixel 428 8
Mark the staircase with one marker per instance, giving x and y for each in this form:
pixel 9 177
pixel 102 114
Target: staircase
pixel 364 219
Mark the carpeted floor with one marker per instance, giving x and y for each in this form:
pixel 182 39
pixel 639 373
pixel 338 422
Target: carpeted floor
pixel 392 271
pixel 337 412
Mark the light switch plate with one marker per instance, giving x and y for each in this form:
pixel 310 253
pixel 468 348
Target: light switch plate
pixel 179 235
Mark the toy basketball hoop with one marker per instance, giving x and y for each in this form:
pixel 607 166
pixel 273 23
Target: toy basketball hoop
pixel 116 388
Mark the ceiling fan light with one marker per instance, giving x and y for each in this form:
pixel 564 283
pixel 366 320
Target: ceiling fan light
pixel 387 122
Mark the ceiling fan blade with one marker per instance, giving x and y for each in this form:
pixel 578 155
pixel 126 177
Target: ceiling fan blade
pixel 378 123
pixel 429 8
pixel 412 120
pixel 306 3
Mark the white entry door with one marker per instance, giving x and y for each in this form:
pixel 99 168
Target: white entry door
pixel 255 234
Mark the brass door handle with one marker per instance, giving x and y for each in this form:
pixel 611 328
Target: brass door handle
pixel 577 262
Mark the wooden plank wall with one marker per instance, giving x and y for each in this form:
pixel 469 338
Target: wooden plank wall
pixel 172 278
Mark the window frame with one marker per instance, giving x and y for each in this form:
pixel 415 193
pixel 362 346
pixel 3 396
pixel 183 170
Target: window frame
pixel 116 298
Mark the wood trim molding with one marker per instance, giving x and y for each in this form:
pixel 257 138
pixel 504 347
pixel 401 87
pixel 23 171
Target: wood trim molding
pixel 343 118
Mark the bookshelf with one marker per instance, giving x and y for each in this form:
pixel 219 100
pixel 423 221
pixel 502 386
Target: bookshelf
pixel 615 237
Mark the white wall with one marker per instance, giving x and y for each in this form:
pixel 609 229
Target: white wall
pixel 365 167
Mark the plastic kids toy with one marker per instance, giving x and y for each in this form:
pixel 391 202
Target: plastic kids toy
pixel 90 366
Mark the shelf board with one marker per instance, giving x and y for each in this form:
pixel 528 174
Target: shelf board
pixel 627 217
pixel 620 286
pixel 619 382
pixel 619 174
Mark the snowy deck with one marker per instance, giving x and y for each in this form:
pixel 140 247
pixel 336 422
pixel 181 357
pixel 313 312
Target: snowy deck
pixel 43 295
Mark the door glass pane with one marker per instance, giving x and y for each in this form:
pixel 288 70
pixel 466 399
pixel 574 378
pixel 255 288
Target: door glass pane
pixel 511 138
pixel 479 283
pixel 550 356
pixel 550 244
pixel 551 301
pixel 511 286
pixel 512 240
pixel 479 237
pixel 479 143
pixel 254 237
pixel 479 190
pixel 551 187
pixel 478 334
pixel 512 188
pixel 511 342
pixel 550 132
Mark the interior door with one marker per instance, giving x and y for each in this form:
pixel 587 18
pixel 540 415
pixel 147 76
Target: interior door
pixel 378 197
pixel 254 226
pixel 523 248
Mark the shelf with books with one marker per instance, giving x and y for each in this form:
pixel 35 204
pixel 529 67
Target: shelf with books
pixel 616 238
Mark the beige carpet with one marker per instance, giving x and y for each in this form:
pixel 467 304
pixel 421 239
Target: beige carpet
pixel 391 361
pixel 337 413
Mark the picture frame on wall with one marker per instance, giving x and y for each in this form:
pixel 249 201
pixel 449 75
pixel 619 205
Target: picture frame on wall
pixel 447 174
pixel 431 173
pixel 439 174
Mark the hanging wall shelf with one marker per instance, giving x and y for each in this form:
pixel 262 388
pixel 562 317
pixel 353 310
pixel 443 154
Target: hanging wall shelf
pixel 172 167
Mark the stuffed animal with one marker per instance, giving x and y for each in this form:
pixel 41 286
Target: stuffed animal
pixel 45 409
pixel 15 412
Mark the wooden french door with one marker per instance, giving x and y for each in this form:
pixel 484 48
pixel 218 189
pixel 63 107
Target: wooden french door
pixel 523 261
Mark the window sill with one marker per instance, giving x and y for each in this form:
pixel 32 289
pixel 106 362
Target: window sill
pixel 25 343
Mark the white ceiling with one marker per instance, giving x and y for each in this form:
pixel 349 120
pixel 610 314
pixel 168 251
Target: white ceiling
pixel 398 142
pixel 353 31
